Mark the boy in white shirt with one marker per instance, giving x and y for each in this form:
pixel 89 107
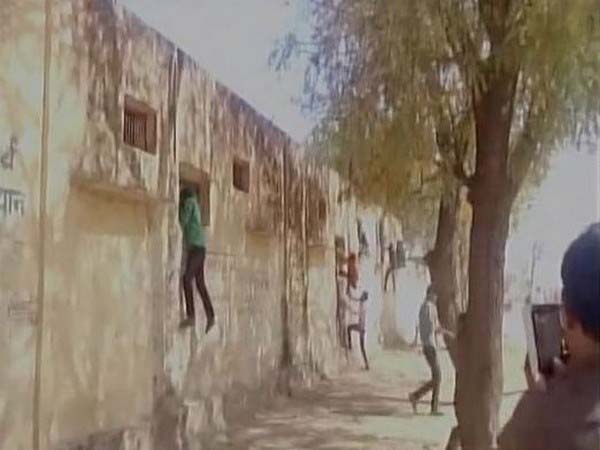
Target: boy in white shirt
pixel 360 325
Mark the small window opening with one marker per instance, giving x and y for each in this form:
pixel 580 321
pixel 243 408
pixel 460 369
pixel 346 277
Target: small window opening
pixel 139 125
pixel 241 175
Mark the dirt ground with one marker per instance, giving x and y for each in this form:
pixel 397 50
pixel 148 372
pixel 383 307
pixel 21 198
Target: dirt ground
pixel 364 410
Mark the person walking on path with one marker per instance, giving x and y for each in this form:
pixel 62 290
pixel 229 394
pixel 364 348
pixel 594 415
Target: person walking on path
pixel 195 248
pixel 393 266
pixel 400 255
pixel 428 329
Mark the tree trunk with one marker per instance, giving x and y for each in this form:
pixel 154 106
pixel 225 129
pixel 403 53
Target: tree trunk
pixel 285 364
pixel 480 372
pixel 443 263
pixel 479 380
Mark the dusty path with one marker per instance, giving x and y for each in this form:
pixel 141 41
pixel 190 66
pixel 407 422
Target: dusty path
pixel 359 410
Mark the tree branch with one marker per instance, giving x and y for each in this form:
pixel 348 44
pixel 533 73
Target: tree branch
pixel 527 149
pixel 494 15
pixel 453 138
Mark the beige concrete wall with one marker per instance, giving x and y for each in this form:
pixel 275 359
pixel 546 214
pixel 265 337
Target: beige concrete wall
pixel 217 374
pixel 115 369
pixel 21 79
pixel 98 357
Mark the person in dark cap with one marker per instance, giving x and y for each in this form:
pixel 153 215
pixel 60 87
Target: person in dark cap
pixel 563 412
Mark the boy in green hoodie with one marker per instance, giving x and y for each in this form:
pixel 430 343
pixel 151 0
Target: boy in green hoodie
pixel 195 246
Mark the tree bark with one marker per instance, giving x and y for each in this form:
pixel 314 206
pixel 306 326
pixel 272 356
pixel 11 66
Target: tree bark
pixel 443 263
pixel 480 372
pixel 479 380
pixel 285 363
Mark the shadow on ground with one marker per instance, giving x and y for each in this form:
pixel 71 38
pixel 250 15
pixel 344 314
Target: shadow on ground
pixel 358 410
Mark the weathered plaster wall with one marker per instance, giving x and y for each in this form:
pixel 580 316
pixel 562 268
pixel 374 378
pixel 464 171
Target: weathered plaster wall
pixel 219 374
pixel 115 369
pixel 320 264
pixel 21 82
pixel 98 358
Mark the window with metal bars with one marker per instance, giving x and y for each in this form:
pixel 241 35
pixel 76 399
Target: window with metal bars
pixel 139 129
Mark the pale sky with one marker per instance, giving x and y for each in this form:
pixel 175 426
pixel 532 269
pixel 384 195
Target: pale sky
pixel 567 201
pixel 232 39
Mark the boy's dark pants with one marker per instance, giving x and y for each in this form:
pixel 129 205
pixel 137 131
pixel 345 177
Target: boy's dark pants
pixel 436 378
pixel 194 271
